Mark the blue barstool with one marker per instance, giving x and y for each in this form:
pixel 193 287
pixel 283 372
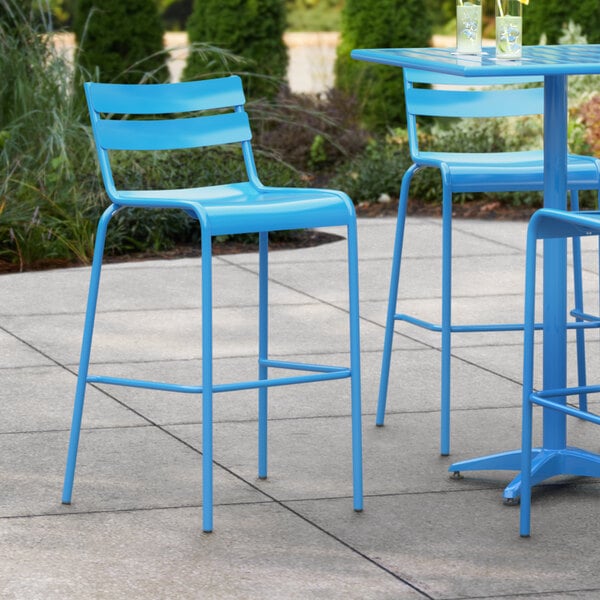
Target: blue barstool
pixel 164 117
pixel 551 224
pixel 430 94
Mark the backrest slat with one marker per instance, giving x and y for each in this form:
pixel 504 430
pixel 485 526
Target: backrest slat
pixel 164 98
pixel 475 103
pixel 420 76
pixel 173 134
pixel 173 116
pixel 429 94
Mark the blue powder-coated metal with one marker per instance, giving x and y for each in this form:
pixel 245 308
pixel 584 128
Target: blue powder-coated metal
pixel 148 118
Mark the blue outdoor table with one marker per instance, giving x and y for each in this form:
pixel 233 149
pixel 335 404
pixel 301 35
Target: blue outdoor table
pixel 555 64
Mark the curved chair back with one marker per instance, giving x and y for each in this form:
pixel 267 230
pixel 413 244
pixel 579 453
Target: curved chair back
pixel 431 94
pixel 166 117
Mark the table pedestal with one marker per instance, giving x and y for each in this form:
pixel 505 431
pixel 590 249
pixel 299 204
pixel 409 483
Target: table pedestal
pixel 546 463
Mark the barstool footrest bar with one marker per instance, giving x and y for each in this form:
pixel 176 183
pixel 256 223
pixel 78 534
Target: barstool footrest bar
pixel 330 375
pixel 474 328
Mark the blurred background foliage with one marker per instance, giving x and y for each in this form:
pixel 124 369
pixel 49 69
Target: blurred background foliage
pixel 120 42
pixel 250 29
pixel 541 17
pixel 51 194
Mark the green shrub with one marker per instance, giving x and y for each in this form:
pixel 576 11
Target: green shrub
pixel 46 153
pixel 51 194
pixel 378 24
pixel 120 41
pixel 377 171
pixel 251 29
pixel 311 134
pixel 314 15
pixel 479 135
pixel 590 114
pixel 550 17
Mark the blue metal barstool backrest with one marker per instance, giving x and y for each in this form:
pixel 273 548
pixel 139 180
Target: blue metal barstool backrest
pixel 187 115
pixel 431 94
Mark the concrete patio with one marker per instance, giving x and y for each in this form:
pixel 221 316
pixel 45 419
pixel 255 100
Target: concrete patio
pixel 134 528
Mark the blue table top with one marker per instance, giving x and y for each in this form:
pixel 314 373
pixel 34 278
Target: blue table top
pixel 576 59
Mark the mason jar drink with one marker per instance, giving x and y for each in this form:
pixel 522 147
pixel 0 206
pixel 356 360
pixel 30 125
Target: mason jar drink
pixel 509 29
pixel 468 26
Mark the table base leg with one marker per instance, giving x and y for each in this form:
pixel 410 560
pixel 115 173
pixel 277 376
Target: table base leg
pixel 545 464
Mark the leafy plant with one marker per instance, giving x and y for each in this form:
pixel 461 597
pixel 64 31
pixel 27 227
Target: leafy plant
pixel 378 24
pixel 43 146
pixel 120 41
pixel 311 134
pixel 377 171
pixel 252 30
pixel 314 15
pixel 590 114
pixel 549 18
pixel 51 195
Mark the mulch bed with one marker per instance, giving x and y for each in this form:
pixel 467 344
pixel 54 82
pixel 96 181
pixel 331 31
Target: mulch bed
pixel 308 238
pixel 475 209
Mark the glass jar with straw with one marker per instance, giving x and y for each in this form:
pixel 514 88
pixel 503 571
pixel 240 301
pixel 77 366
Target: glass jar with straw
pixel 468 26
pixel 509 28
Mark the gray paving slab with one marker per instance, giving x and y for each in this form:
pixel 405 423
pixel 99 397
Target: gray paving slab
pixel 375 237
pixel 176 334
pixel 156 286
pixel 463 545
pixel 477 276
pixel 43 292
pixel 310 459
pixel 127 468
pixel 134 527
pixel 578 595
pixel 511 364
pixel 146 285
pixel 466 309
pixel 422 237
pixel 508 233
pixel 15 353
pixel 256 552
pixel 41 399
pixel 414 384
pixel 413 387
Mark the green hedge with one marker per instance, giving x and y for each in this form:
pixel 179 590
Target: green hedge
pixel 379 24
pixel 250 29
pixel 549 17
pixel 120 40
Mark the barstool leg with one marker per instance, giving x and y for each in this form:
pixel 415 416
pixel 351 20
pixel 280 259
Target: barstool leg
pixel 446 316
pixel 207 384
pixel 263 350
pixel 527 408
pixel 355 380
pixel 393 296
pixel 84 360
pixel 578 293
